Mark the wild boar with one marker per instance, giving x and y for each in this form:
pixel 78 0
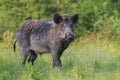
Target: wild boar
pixel 37 37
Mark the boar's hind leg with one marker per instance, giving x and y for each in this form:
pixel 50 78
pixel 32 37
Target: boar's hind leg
pixel 32 57
pixel 24 52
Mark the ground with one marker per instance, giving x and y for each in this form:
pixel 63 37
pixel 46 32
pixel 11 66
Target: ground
pixel 85 59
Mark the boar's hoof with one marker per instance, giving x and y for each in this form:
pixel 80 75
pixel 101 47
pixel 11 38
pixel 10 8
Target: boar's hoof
pixel 57 65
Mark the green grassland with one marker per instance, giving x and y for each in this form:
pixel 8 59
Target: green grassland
pixel 85 59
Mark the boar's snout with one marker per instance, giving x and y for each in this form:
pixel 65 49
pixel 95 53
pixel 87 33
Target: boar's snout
pixel 69 36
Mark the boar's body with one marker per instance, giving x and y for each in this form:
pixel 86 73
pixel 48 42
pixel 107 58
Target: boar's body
pixel 37 37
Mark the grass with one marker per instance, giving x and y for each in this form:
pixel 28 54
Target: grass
pixel 85 59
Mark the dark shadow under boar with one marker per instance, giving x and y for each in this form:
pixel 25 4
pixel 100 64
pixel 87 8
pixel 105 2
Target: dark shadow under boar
pixel 37 37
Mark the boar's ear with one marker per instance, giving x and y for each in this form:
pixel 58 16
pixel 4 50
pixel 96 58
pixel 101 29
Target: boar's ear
pixel 57 18
pixel 74 18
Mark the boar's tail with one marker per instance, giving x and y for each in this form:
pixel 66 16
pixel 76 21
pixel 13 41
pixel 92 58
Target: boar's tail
pixel 14 45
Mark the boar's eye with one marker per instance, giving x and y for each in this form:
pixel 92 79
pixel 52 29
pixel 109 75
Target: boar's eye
pixel 71 25
pixel 62 25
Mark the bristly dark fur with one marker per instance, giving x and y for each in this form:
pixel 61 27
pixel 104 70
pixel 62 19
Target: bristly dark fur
pixel 33 26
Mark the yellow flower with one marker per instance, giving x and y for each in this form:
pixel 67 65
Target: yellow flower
pixel 75 71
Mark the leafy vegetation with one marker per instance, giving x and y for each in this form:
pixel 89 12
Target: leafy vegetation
pixel 94 55
pixel 14 13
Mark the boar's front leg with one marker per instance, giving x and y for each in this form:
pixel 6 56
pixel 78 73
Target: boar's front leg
pixel 56 58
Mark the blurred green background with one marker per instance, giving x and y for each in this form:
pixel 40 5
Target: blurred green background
pixel 96 16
